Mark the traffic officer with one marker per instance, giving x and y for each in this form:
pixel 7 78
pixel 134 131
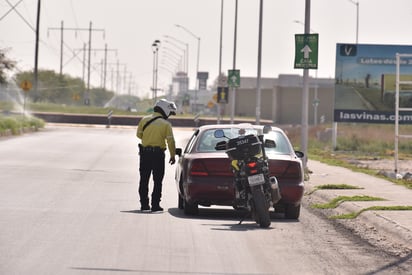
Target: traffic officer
pixel 155 131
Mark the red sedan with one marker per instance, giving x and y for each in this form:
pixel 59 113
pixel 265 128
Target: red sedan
pixel 204 176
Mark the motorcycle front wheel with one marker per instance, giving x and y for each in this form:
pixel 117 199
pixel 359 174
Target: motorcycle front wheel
pixel 261 207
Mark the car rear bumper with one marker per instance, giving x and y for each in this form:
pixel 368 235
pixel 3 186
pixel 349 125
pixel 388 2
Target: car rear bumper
pixel 212 192
pixel 291 194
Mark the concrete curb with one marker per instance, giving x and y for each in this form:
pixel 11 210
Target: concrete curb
pixel 381 220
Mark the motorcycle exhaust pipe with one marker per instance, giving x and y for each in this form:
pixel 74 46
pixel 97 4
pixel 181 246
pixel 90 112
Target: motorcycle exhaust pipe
pixel 275 190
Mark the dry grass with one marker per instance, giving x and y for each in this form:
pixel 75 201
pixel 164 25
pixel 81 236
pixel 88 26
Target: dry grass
pixel 367 140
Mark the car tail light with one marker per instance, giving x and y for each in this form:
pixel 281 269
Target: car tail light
pixel 285 169
pixel 198 169
pixel 292 171
pixel 210 167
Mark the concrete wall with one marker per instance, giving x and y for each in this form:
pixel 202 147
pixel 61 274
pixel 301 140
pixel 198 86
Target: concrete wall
pixel 281 99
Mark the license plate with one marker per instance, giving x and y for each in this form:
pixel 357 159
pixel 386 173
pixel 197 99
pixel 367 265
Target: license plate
pixel 256 179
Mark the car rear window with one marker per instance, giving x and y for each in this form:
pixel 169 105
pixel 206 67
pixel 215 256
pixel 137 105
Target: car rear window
pixel 282 144
pixel 207 140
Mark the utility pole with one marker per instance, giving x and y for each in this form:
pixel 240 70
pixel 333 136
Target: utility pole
pixel 104 68
pixel 305 92
pixel 117 64
pixel 259 70
pixel 90 30
pixel 233 104
pixel 61 44
pixel 36 55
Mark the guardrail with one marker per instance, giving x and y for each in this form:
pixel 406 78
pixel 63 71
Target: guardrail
pixel 132 120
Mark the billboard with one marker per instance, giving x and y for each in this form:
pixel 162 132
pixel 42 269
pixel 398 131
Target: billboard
pixel 365 88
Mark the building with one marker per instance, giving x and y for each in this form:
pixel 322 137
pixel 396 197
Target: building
pixel 281 99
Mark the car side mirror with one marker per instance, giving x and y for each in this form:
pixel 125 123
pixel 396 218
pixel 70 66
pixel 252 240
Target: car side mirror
pixel 299 154
pixel 178 151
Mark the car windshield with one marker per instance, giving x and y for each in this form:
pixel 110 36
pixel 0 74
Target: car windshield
pixel 207 140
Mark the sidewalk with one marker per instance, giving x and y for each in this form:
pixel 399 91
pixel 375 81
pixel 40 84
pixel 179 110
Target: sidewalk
pixel 395 225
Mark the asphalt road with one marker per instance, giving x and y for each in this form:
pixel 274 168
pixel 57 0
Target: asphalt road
pixel 348 97
pixel 68 205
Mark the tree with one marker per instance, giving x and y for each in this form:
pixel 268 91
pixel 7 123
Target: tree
pixel 65 89
pixel 6 64
pixel 54 88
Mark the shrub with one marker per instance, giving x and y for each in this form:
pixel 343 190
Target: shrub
pixel 15 124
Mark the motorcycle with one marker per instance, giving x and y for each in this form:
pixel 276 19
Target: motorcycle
pixel 255 190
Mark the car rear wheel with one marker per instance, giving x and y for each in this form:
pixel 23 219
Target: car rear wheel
pixel 292 211
pixel 190 208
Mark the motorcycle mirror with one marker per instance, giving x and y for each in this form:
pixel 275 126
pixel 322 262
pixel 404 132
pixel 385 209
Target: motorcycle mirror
pixel 221 145
pixel 267 129
pixel 219 133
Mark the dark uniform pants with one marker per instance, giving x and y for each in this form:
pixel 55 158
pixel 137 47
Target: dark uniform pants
pixel 151 161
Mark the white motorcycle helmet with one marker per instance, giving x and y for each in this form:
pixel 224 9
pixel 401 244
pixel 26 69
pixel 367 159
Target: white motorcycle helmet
pixel 166 107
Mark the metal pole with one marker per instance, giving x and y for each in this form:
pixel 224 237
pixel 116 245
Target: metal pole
pixel 61 48
pixel 220 59
pixel 198 56
pixel 305 93
pixel 186 58
pixel 84 63
pixel 157 66
pixel 105 67
pixel 197 73
pixel 87 101
pixel 357 22
pixel 258 93
pixel 153 78
pixel 397 112
pixel 233 103
pixel 316 101
pixel 36 55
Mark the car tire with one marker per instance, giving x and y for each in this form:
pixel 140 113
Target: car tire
pixel 292 211
pixel 190 208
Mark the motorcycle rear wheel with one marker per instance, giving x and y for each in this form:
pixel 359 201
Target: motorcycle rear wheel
pixel 261 207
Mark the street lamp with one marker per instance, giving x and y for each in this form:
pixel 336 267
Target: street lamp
pixel 181 57
pixel 356 3
pixel 198 54
pixel 155 49
pixel 186 69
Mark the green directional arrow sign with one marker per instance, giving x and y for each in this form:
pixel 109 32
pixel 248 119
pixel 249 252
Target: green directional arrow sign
pixel 233 78
pixel 306 51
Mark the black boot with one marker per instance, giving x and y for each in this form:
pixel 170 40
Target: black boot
pixel 156 208
pixel 144 205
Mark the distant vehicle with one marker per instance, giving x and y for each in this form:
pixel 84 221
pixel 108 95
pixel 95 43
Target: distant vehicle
pixel 204 177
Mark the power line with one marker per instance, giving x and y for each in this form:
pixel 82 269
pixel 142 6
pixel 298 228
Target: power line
pixel 90 30
pixel 19 14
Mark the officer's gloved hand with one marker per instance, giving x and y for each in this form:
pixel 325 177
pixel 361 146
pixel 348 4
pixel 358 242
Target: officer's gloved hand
pixel 172 160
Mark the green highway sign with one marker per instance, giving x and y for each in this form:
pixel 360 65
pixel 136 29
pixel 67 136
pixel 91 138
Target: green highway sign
pixel 306 51
pixel 233 78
